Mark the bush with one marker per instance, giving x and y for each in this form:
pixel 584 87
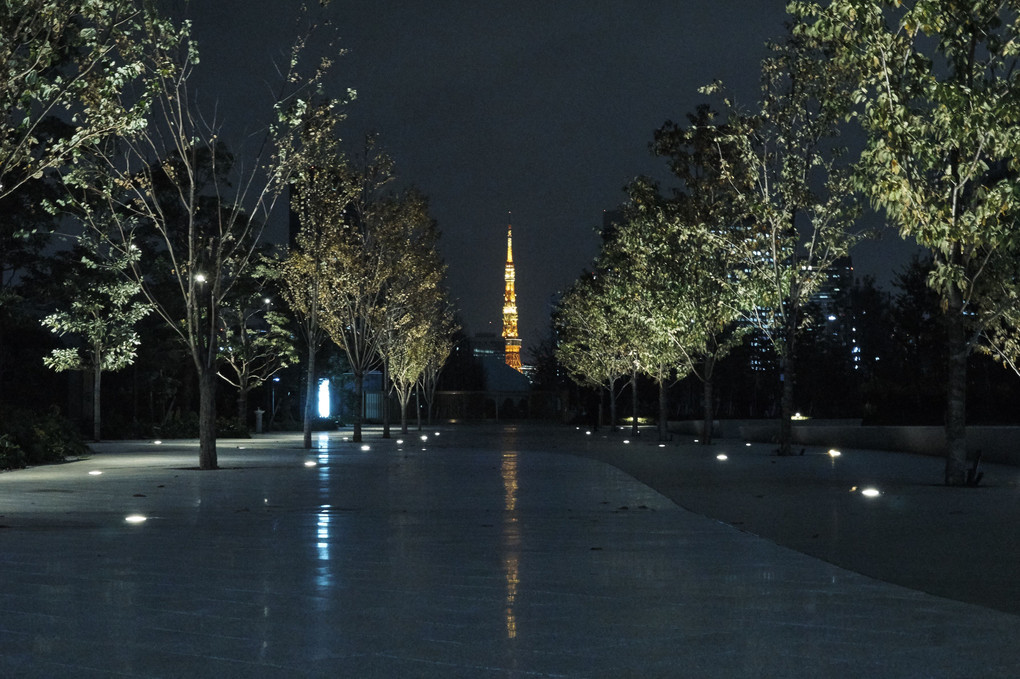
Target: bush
pixel 181 426
pixel 11 454
pixel 185 426
pixel 230 428
pixel 37 438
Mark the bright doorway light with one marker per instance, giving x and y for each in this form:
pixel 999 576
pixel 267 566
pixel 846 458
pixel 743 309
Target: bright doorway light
pixel 324 398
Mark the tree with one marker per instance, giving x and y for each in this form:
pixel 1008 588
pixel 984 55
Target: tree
pixel 938 99
pixel 25 233
pixel 352 301
pixel 630 276
pixel 793 191
pixel 185 205
pixel 441 339
pixel 595 334
pixel 62 66
pixel 104 309
pixel 255 342
pixel 414 298
pixel 681 253
pixel 322 190
pixel 69 59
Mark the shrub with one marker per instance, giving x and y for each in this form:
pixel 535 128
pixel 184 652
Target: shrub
pixel 230 428
pixel 37 438
pixel 182 426
pixel 11 454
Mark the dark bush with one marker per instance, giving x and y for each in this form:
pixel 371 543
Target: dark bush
pixel 182 426
pixel 37 438
pixel 11 454
pixel 230 428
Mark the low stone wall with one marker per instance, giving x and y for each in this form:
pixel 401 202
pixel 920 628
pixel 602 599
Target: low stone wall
pixel 997 444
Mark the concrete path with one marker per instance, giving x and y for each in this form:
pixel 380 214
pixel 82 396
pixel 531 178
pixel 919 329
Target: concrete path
pixel 477 553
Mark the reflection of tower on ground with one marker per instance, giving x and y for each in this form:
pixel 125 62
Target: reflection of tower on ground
pixel 511 539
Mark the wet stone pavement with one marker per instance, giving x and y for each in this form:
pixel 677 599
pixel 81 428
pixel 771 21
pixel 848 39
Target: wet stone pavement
pixel 482 552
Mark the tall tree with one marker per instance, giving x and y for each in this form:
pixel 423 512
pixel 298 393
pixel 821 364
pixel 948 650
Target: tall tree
pixel 103 310
pixel 682 244
pixel 597 339
pixel 180 198
pixel 938 97
pixel 793 191
pixel 353 301
pixel 414 295
pixel 440 342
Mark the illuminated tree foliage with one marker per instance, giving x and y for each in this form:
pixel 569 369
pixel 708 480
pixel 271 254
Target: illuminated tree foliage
pixel 680 255
pixel 102 312
pixel 793 196
pixel 938 97
pixel 598 339
pixel 439 344
pixel 322 189
pixel 69 59
pixel 415 300
pixel 352 297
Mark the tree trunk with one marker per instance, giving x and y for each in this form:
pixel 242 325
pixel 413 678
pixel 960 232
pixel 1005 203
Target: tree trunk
pixel 708 400
pixel 663 409
pixel 207 419
pixel 956 405
pixel 386 401
pixel 310 389
pixel 708 412
pixel 403 412
pixel 612 405
pixel 633 402
pixel 786 409
pixel 417 407
pixel 242 409
pixel 359 406
pixel 96 394
pixel 786 370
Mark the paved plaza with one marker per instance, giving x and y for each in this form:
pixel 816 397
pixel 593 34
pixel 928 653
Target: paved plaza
pixel 502 552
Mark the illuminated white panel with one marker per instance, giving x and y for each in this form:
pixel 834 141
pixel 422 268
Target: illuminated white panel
pixel 324 398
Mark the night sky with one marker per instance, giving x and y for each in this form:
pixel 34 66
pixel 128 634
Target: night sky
pixel 543 109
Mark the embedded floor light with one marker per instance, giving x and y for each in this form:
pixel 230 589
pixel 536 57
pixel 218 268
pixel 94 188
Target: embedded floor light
pixel 136 518
pixel 309 463
pixel 722 456
pixel 834 453
pixel 95 472
pixel 870 492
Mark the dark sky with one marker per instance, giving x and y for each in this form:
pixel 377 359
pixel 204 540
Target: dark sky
pixel 540 108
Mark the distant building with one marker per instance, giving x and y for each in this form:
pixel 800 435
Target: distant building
pixel 487 344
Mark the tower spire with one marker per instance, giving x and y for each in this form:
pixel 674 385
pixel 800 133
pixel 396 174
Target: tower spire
pixel 513 342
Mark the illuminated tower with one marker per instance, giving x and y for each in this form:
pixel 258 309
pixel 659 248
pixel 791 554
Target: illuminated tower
pixel 513 342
